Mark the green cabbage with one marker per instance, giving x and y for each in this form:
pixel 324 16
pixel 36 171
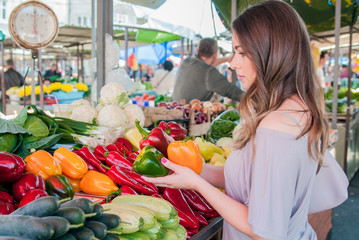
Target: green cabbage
pixel 8 142
pixel 37 127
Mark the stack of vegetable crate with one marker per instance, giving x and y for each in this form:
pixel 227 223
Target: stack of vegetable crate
pixel 198 129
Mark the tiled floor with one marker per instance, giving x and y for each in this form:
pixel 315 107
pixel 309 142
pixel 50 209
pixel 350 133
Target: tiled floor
pixel 346 216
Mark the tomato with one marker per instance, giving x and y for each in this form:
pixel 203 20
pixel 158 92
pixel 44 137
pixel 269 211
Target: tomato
pixel 151 97
pixel 137 98
pixel 145 95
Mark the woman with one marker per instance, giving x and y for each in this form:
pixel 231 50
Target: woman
pixel 284 135
pixel 164 79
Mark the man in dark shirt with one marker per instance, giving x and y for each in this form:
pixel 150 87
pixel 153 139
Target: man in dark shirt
pixel 197 78
pixel 52 73
pixel 12 77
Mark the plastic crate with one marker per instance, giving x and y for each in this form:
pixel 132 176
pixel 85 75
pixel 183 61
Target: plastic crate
pixel 67 98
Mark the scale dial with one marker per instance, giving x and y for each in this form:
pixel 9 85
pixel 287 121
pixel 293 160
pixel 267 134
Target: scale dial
pixel 33 25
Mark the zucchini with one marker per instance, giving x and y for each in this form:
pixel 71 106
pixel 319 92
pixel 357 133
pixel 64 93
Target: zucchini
pixel 61 225
pixel 181 232
pixel 74 215
pixel 98 209
pixel 98 228
pixel 41 207
pixel 136 236
pixel 83 233
pixel 25 227
pixel 67 236
pixel 157 232
pixel 163 210
pixel 171 235
pixel 146 214
pixel 170 223
pixel 130 221
pixel 110 220
pixel 85 204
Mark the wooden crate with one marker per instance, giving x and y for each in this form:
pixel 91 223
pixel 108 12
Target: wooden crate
pixel 198 129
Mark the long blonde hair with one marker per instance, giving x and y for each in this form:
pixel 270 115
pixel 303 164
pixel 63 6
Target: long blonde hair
pixel 275 38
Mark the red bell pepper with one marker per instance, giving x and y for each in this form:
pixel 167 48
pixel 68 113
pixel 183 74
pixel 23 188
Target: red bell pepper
pixel 32 195
pixel 6 197
pixel 209 215
pixel 177 199
pixel 196 202
pixel 156 138
pixel 115 158
pixel 100 152
pixel 26 183
pixel 11 167
pixel 126 190
pixel 6 207
pixel 86 154
pixel 132 157
pixel 174 130
pixel 122 148
pixel 121 177
pixel 202 221
pixel 125 142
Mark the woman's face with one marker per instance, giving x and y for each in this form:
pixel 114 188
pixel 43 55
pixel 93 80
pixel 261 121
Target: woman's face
pixel 244 67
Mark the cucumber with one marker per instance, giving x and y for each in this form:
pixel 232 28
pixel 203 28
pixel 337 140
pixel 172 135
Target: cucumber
pixel 157 232
pixel 163 210
pixel 25 227
pixel 98 228
pixel 146 214
pixel 67 236
pixel 85 204
pixel 130 221
pixel 110 220
pixel 181 232
pixel 83 233
pixel 171 235
pixel 74 215
pixel 170 223
pixel 111 236
pixel 136 236
pixel 41 207
pixel 61 225
pixel 98 209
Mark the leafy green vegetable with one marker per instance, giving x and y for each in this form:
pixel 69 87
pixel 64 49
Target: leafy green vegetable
pixel 37 127
pixel 22 151
pixel 45 142
pixel 221 128
pixel 231 115
pixel 8 142
pixel 8 126
pixel 21 118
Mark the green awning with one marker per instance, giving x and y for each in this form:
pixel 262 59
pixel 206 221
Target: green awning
pixel 148 36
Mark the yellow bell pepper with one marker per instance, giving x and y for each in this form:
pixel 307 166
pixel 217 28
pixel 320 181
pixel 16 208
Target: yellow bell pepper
pixel 42 164
pixel 217 160
pixel 97 183
pixel 73 166
pixel 134 136
pixel 206 148
pixel 75 184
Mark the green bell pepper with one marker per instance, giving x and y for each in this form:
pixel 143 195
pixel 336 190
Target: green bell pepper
pixel 148 163
pixel 59 186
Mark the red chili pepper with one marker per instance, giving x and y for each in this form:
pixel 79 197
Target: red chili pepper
pixel 132 157
pixel 126 190
pixel 32 195
pixel 191 232
pixel 88 156
pixel 115 158
pixel 202 221
pixel 27 182
pixel 120 177
pixel 177 199
pixel 6 197
pixel 11 167
pixel 89 166
pixel 6 207
pixel 112 147
pixel 100 152
pixel 125 142
pixel 155 138
pixel 137 177
pixel 123 149
pixel 173 129
pixel 209 215
pixel 195 201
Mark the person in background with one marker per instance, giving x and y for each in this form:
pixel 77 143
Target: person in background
pixel 274 177
pixel 54 72
pixel 320 70
pixel 164 79
pixel 12 77
pixel 148 75
pixel 197 77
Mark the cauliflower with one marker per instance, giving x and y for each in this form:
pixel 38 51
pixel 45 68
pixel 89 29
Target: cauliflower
pixel 84 113
pixel 134 113
pixel 111 92
pixel 111 116
pixel 80 102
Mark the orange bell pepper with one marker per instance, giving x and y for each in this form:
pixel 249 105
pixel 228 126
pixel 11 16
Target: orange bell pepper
pixel 97 183
pixel 42 164
pixel 73 166
pixel 186 154
pixel 75 184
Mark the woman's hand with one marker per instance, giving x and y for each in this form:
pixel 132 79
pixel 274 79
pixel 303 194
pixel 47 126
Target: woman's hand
pixel 182 177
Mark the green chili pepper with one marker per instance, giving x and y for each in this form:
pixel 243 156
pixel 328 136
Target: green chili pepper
pixel 59 186
pixel 148 163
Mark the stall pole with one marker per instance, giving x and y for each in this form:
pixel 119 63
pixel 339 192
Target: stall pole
pixel 182 48
pixel 126 49
pixel 338 6
pixel 347 121
pixel 233 10
pixel 33 94
pixel 82 64
pixel 2 79
pixel 78 62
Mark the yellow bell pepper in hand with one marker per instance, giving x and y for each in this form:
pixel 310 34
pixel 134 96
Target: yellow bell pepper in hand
pixel 73 166
pixel 97 183
pixel 42 164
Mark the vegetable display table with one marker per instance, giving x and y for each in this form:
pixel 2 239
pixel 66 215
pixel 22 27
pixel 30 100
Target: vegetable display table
pixel 212 231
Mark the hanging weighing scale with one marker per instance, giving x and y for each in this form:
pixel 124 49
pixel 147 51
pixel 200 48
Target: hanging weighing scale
pixel 33 25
